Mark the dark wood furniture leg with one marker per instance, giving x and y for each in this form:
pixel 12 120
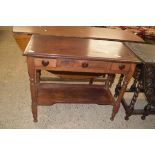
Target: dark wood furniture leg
pixel 136 87
pixel 147 110
pixel 118 86
pixel 130 109
pixel 34 79
pixel 149 89
pixel 136 78
pixel 122 90
pixel 112 78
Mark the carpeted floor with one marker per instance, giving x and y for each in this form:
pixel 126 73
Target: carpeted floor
pixel 15 101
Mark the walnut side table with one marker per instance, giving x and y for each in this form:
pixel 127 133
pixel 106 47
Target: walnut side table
pixel 61 54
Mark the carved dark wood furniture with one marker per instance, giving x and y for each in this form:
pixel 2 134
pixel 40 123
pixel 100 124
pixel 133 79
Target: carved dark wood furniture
pixel 144 80
pixel 75 55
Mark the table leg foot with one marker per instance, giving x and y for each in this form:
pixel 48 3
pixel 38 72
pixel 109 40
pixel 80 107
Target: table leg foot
pixel 111 118
pixel 35 117
pixel 34 112
pixel 114 112
pixel 35 120
pixel 126 118
pixel 143 117
pixel 147 110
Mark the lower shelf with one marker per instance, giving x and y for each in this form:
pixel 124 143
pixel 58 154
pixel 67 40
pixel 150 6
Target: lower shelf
pixel 69 93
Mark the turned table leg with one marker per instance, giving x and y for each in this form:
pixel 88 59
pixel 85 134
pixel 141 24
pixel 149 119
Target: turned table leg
pixel 34 79
pixel 133 101
pixel 136 79
pixel 112 78
pixel 122 89
pixel 118 86
pixel 116 106
pixel 149 89
pixel 147 110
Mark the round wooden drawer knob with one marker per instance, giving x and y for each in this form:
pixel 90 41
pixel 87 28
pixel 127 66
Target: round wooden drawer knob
pixel 121 67
pixel 45 63
pixel 85 65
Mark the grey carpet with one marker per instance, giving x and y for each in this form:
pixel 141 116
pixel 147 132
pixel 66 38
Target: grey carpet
pixel 15 101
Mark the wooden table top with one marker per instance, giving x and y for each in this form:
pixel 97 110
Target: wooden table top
pixel 146 52
pixel 80 31
pixel 49 47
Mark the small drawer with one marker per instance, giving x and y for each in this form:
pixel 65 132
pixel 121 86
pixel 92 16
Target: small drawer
pixel 83 65
pixel 120 67
pixel 48 63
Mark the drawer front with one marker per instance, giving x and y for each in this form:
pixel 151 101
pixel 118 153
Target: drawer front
pixel 72 65
pixel 83 65
pixel 120 67
pixel 45 63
